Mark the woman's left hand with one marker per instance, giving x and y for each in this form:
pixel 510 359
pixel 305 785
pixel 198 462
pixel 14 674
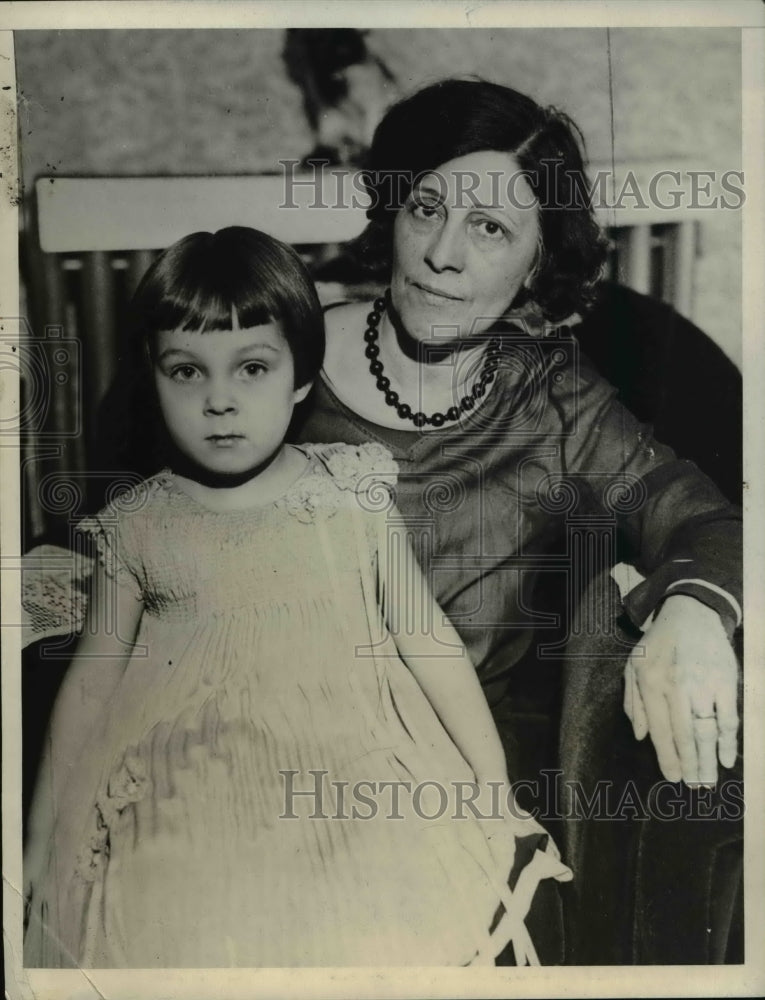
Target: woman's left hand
pixel 680 686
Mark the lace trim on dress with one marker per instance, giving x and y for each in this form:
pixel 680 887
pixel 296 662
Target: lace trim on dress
pixel 368 470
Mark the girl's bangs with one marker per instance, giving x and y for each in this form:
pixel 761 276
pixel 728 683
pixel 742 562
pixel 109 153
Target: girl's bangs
pixel 205 313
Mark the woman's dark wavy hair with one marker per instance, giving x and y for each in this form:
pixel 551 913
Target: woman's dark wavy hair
pixel 456 117
pixel 197 284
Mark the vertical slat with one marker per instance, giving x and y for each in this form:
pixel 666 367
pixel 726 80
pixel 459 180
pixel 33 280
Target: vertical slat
pixel 139 262
pixel 64 415
pixel 34 517
pixel 636 268
pixel 99 333
pixel 53 444
pixel 54 316
pixel 684 259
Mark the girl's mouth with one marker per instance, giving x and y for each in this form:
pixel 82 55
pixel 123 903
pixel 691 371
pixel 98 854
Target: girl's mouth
pixel 224 440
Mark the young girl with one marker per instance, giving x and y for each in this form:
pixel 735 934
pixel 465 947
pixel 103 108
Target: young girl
pixel 264 751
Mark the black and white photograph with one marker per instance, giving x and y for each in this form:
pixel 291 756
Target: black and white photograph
pixel 381 437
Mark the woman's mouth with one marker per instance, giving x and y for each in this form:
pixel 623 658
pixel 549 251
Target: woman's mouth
pixel 436 296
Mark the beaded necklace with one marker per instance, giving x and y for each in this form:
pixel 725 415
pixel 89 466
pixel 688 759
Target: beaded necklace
pixel 405 412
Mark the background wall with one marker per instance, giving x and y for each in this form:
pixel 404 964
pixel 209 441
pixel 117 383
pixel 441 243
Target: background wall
pixel 193 102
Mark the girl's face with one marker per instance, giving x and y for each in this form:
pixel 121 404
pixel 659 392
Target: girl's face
pixel 462 246
pixel 226 396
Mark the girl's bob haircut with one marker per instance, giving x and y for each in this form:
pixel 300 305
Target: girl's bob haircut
pixel 456 117
pixel 237 276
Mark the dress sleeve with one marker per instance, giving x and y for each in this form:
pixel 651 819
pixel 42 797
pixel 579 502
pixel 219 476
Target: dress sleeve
pixel 685 537
pixel 113 535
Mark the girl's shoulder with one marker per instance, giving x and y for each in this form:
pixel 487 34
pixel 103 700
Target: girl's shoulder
pixel 131 497
pixel 342 475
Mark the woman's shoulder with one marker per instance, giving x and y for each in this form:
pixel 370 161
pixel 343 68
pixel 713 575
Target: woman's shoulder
pixel 339 316
pixel 344 323
pixel 567 373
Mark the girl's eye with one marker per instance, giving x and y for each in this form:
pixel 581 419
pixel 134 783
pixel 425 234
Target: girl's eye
pixel 254 368
pixel 184 373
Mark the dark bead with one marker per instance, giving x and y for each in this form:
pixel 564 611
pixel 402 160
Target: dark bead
pixel 372 350
pixel 488 377
pixel 379 305
pixel 370 336
pixel 466 403
pixel 478 391
pixel 383 383
pixel 404 411
pixel 453 413
pixel 419 419
pixel 376 367
pixel 437 419
pixel 391 398
pixel 373 319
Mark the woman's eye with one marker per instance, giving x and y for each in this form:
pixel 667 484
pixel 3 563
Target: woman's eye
pixel 490 229
pixel 184 373
pixel 424 211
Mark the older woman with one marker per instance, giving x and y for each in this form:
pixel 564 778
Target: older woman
pixel 507 440
pixel 479 206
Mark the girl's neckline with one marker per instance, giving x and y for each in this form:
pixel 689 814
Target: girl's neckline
pixel 170 482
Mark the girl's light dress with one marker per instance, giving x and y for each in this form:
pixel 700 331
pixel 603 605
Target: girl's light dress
pixel 263 668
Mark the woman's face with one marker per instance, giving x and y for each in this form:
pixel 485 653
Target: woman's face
pixel 462 246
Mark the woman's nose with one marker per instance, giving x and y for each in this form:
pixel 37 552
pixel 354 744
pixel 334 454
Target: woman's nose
pixel 446 249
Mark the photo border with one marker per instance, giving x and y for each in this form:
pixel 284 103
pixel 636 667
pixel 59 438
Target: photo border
pixel 629 981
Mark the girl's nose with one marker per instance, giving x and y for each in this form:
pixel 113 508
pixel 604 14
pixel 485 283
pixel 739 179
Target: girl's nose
pixel 220 400
pixel 446 249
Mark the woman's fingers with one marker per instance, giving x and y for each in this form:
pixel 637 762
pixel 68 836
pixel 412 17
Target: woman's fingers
pixel 705 731
pixel 713 692
pixel 633 702
pixel 629 692
pixel 683 734
pixel 727 721
pixel 660 728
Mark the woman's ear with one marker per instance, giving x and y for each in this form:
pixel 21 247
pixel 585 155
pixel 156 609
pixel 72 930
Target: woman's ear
pixel 299 395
